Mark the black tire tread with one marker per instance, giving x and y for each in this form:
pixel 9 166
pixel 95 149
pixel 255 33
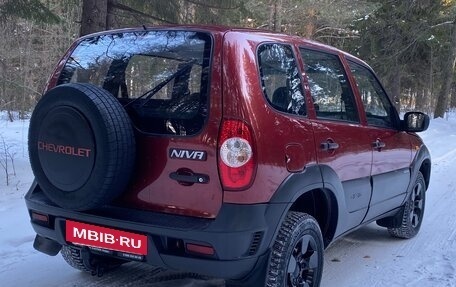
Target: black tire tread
pixel 277 263
pixel 406 231
pixel 73 257
pixel 121 136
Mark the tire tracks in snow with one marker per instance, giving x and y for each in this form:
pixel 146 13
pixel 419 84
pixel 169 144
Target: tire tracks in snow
pixel 369 258
pixel 445 157
pixel 141 275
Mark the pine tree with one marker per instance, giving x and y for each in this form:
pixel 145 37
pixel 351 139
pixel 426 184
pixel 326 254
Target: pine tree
pixel 27 9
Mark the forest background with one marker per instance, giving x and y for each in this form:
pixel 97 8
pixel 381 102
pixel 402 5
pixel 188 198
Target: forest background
pixel 410 44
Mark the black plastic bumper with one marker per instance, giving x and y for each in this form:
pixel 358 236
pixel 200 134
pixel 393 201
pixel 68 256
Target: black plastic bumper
pixel 240 235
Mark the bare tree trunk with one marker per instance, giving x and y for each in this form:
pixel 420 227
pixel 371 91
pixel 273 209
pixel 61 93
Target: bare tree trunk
pixel 275 15
pixel 272 8
pixel 421 99
pixel 311 18
pixel 94 16
pixel 187 12
pixel 453 96
pixel 278 16
pixel 110 19
pixel 428 105
pixel 447 77
pixel 396 86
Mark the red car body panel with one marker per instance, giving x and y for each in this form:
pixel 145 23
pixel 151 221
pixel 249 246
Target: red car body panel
pixel 236 93
pixel 153 189
pixel 244 99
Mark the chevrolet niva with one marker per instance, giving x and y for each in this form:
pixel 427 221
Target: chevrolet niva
pixel 234 153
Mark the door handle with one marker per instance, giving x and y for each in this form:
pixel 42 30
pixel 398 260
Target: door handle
pixel 329 146
pixel 378 144
pixel 189 178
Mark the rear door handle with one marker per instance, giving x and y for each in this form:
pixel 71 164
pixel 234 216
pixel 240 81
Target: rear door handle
pixel 329 145
pixel 189 178
pixel 378 144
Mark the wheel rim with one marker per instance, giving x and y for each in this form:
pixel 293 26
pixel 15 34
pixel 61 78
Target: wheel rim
pixel 417 205
pixel 303 263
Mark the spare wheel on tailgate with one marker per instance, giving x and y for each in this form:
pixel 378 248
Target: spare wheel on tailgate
pixel 81 146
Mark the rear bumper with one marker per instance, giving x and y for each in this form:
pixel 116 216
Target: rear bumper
pixel 240 235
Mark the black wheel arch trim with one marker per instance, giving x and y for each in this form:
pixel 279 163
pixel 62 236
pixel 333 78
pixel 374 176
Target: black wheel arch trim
pixel 420 163
pixel 314 177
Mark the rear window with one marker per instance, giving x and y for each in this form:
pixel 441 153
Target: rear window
pixel 160 77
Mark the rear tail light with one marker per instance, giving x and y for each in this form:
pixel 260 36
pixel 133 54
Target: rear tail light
pixel 237 162
pixel 41 219
pixel 200 249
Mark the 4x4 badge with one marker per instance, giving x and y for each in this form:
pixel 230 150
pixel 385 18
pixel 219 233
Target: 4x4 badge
pixel 187 154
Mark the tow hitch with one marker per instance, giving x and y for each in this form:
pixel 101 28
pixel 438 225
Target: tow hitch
pixel 91 262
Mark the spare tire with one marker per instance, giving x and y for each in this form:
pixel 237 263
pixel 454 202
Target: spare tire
pixel 81 146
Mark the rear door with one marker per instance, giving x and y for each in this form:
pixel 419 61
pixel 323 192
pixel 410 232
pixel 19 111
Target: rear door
pixel 342 143
pixel 391 146
pixel 161 77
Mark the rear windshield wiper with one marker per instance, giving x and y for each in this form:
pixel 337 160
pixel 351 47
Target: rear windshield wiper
pixel 150 93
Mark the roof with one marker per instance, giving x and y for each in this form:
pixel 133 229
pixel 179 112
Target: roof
pixel 219 29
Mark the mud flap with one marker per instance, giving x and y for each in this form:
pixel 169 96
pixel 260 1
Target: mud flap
pixel 257 276
pixel 46 245
pixel 394 221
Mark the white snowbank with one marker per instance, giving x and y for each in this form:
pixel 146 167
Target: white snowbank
pixel 367 257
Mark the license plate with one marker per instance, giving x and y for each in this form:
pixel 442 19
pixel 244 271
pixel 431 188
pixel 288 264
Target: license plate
pixel 106 238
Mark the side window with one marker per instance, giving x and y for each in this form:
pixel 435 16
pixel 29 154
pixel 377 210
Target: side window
pixel 379 110
pixel 331 93
pixel 280 78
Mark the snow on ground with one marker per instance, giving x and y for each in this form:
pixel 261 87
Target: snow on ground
pixel 366 257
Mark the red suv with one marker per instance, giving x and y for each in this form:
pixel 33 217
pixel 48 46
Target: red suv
pixel 232 153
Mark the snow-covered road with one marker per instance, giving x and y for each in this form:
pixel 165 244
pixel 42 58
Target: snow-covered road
pixel 366 257
pixel 370 257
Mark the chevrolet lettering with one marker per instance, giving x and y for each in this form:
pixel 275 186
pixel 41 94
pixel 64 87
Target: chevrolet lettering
pixel 64 149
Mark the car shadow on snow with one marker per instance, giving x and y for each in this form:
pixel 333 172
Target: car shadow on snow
pixel 369 234
pixel 141 275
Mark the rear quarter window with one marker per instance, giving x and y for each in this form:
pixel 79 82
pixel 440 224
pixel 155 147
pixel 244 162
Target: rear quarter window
pixel 160 77
pixel 280 78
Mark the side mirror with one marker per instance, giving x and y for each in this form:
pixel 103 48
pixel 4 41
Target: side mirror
pixel 415 122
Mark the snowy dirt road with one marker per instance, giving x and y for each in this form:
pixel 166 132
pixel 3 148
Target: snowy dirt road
pixel 366 257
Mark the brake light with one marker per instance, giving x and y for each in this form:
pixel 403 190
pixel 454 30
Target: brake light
pixel 237 162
